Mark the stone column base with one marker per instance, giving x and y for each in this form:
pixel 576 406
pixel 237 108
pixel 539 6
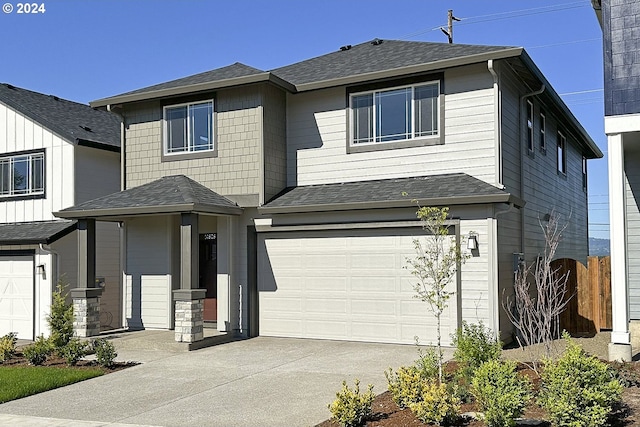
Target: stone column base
pixel 86 311
pixel 189 323
pixel 620 352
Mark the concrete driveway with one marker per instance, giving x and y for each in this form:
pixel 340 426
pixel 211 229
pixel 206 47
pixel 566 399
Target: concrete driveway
pixel 257 382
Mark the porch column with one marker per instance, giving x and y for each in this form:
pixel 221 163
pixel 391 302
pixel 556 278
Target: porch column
pixel 620 345
pixel 189 300
pixel 86 297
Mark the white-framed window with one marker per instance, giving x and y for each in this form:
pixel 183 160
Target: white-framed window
pixel 22 175
pixel 543 132
pixel 530 125
pixel 584 173
pixel 395 114
pixel 188 128
pixel 562 153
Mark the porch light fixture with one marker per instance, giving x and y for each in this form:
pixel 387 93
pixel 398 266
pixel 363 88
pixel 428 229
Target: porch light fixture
pixel 472 242
pixel 42 271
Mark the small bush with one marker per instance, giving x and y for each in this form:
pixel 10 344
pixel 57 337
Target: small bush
pixel 8 346
pixel 475 344
pixel 38 352
pixel 501 393
pixel 578 389
pixel 405 385
pixel 438 404
pixel 75 350
pixel 626 375
pixel 351 408
pixel 427 363
pixel 61 317
pixel 105 352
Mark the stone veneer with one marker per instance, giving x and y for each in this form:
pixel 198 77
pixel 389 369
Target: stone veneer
pixel 86 311
pixel 189 323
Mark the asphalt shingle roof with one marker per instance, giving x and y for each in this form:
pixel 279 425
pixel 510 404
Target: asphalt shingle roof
pixel 229 72
pixel 454 188
pixel 71 120
pixel 26 233
pixel 175 191
pixel 368 58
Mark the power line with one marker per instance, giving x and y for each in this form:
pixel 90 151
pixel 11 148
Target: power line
pixel 563 43
pixel 581 91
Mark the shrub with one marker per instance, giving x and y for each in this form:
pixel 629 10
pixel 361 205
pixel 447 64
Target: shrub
pixel 405 385
pixel 351 408
pixel 474 344
pixel 578 389
pixel 61 317
pixel 105 352
pixel 38 352
pixel 626 375
pixel 8 346
pixel 501 393
pixel 75 350
pixel 438 404
pixel 427 363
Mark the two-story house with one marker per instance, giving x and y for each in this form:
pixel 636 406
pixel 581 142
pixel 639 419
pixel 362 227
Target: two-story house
pixel 54 154
pixel 620 22
pixel 274 199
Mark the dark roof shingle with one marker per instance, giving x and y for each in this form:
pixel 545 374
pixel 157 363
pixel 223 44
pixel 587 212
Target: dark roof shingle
pixel 71 120
pixel 175 193
pixel 449 189
pixel 29 233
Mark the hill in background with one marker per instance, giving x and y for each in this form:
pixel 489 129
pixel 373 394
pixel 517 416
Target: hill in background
pixel 599 247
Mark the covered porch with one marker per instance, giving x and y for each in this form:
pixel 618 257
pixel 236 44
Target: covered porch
pixel 176 263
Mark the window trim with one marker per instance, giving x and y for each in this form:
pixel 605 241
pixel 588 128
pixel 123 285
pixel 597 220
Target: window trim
pixel 561 157
pixel 418 141
pixel 530 125
pixel 584 173
pixel 543 132
pixel 32 195
pixel 182 155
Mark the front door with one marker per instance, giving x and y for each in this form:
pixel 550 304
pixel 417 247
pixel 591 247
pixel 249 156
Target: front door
pixel 209 274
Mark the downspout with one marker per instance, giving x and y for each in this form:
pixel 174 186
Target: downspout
pixel 54 276
pixel 522 154
pixel 497 119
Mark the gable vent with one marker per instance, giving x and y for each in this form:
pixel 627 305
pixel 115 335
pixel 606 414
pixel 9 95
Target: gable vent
pixel 376 42
pixel 87 128
pixel 346 47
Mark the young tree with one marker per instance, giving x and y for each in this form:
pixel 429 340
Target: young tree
pixel 434 267
pixel 540 293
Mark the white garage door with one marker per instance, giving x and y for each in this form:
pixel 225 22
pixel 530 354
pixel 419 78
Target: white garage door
pixel 345 285
pixel 16 296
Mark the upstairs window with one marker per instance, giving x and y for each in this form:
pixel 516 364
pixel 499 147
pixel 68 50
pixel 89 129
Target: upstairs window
pixel 543 133
pixel 562 153
pixel 584 173
pixel 22 175
pixel 188 128
pixel 397 114
pixel 530 125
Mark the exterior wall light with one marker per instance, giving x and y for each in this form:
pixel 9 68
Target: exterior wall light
pixel 472 242
pixel 42 270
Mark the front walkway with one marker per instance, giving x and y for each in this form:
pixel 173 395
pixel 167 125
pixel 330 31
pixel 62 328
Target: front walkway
pixel 257 382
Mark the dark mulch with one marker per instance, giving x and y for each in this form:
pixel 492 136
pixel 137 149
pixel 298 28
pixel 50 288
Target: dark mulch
pixel 387 414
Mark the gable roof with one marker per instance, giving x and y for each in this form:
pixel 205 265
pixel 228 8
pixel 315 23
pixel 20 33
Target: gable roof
pixel 434 190
pixel 362 62
pixel 33 233
pixel 78 123
pixel 170 194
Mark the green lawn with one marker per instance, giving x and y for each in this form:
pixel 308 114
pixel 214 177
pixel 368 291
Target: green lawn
pixel 22 381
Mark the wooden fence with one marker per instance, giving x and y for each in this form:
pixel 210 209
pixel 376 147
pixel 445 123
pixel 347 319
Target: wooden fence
pixel 589 311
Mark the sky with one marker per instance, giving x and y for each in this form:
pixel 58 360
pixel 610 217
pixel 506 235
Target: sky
pixel 85 50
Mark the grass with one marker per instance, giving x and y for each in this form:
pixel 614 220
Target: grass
pixel 21 381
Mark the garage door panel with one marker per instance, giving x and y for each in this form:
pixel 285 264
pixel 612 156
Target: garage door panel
pixel 352 287
pixel 16 295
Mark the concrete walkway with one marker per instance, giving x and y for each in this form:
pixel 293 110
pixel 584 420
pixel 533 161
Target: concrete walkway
pixel 257 382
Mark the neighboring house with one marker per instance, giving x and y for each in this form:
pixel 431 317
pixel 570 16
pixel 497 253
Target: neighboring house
pixel 54 154
pixel 275 198
pixel 620 22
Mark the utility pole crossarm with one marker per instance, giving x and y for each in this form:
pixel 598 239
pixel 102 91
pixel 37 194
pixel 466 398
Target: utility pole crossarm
pixel 449 31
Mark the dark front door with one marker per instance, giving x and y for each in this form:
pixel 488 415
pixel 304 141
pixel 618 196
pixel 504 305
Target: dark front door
pixel 209 274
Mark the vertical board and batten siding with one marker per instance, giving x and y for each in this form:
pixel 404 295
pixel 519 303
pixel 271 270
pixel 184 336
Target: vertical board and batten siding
pixel 476 295
pixel 317 136
pixel 19 133
pixel 545 189
pixel 632 188
pixel 238 126
pixel 147 272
